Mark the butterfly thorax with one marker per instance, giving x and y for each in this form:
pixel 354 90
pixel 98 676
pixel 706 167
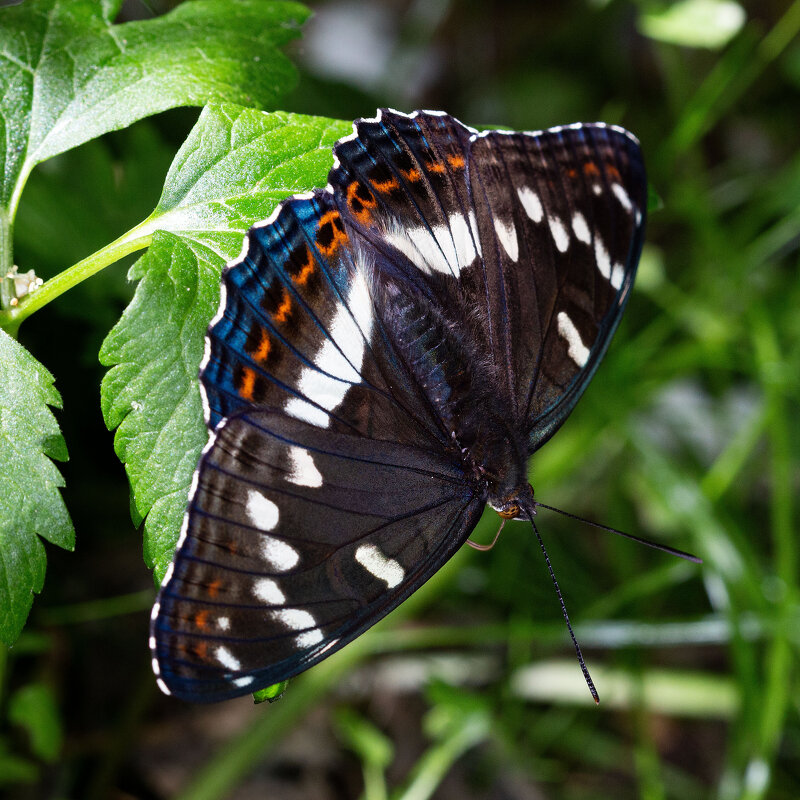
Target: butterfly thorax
pixel 443 353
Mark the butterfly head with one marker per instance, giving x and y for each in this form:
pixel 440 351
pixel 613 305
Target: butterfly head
pixel 516 506
pixel 501 461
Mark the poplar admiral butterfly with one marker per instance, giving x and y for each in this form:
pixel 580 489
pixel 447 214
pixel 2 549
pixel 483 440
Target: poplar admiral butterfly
pixel 388 353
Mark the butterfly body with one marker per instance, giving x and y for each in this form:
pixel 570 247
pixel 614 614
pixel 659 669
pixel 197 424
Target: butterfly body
pixel 388 354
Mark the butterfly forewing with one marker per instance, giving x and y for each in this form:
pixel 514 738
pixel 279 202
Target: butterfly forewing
pixel 298 331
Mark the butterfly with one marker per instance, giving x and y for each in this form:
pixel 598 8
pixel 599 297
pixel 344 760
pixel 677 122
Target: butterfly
pixel 388 353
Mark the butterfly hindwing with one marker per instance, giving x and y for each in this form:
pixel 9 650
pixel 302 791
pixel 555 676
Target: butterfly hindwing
pixel 298 540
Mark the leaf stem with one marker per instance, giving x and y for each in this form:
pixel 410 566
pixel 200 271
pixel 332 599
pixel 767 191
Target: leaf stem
pixel 6 257
pixel 135 239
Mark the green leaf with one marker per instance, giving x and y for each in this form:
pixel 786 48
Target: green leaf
pixel 34 708
pixel 68 74
pixel 30 502
pixel 235 166
pixel 695 23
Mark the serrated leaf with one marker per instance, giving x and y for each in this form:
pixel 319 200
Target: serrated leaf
pixel 30 503
pixel 232 170
pixel 33 707
pixel 68 74
pixel 235 166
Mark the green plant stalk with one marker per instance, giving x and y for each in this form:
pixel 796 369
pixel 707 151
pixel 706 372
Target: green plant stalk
pixel 437 761
pixel 374 782
pixel 778 660
pixel 732 459
pixel 6 257
pixel 645 755
pixel 135 239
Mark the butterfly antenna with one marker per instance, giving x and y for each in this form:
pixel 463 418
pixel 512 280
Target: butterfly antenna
pixel 586 676
pixel 655 545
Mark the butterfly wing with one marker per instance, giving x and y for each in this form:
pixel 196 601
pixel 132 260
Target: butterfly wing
pixel 300 538
pixel 561 216
pixel 527 242
pixel 298 330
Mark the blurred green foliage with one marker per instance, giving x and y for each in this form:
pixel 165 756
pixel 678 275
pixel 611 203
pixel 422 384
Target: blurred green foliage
pixel 687 435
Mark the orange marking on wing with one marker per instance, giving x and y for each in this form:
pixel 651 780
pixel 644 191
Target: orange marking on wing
pixel 361 202
pixel 305 273
pixel 306 269
pixel 261 353
pixel 385 186
pixel 412 175
pixel 201 620
pixel 436 166
pixel 246 386
pixel 613 172
pixel 335 236
pixel 590 168
pixel 572 172
pixel 214 587
pixel 284 309
pixel 201 650
pixel 456 161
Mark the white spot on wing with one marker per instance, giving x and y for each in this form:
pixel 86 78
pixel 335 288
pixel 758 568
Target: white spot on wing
pixel 304 470
pixel 227 659
pixel 298 620
pixel 441 248
pixel 280 555
pixel 376 563
pixel 576 349
pixel 262 511
pixel 507 234
pixel 465 238
pixel 560 235
pixel 223 623
pixel 309 638
pixel 622 196
pixel 531 203
pixel 268 591
pixel 617 275
pixel 581 229
pixel 245 680
pixel 342 363
pixel 602 258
